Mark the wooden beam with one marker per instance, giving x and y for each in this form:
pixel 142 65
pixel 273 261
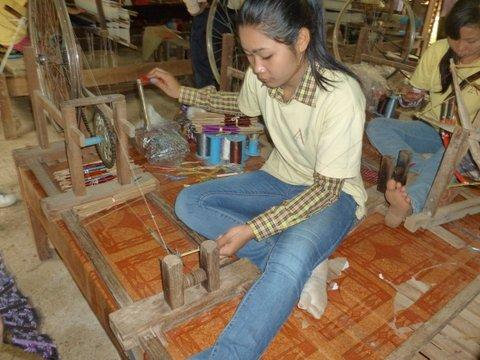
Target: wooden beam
pixel 32 86
pixel 131 322
pixel 50 108
pixel 124 173
pixel 84 239
pixel 98 197
pixel 443 215
pixel 453 155
pixel 18 86
pixel 130 73
pixel 395 64
pixel 94 100
pixel 436 323
pixel 74 152
pixel 8 121
pixel 153 348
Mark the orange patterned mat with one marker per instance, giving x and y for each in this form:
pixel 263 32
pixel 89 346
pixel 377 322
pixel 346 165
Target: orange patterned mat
pixel 395 282
pixel 367 317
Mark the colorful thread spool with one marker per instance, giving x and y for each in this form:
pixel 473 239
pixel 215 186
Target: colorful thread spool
pixel 226 149
pixel 391 106
pixel 237 146
pixel 202 145
pixel 215 149
pixel 253 149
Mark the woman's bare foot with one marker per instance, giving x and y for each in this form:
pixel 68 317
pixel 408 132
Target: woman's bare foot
pixel 400 204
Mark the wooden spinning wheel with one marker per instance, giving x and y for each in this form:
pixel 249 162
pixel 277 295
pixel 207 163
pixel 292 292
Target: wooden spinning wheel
pixel 221 20
pixel 59 69
pixel 387 32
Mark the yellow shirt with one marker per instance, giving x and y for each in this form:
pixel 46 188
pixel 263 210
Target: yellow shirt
pixel 325 137
pixel 427 77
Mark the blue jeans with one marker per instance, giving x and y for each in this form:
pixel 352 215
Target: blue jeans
pixel 286 259
pixel 390 136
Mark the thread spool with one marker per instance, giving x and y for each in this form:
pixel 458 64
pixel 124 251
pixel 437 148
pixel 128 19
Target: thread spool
pixel 443 111
pixel 253 149
pixel 237 148
pixel 214 157
pixel 202 145
pixel 391 106
pixel 226 149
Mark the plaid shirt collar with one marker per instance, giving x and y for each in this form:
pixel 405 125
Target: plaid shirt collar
pixel 305 92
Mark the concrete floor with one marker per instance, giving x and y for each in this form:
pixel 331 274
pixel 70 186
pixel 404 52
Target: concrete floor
pixel 65 315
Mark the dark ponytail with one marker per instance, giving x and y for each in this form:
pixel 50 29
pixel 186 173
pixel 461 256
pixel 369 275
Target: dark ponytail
pixel 281 20
pixel 463 13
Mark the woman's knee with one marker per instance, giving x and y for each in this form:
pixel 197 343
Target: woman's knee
pixel 376 125
pixel 185 202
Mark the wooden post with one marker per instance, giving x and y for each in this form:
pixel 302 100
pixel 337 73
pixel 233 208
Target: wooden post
pixel 74 152
pixel 120 116
pixel 384 173
pixel 33 84
pixel 210 262
pixel 454 153
pixel 172 277
pixel 9 125
pixel 40 237
pixel 361 45
pixel 228 45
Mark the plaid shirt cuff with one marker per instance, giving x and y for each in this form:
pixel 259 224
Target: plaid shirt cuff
pixel 321 194
pixel 210 99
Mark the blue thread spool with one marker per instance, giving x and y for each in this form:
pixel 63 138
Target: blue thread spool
pixel 253 149
pixel 215 149
pixel 391 106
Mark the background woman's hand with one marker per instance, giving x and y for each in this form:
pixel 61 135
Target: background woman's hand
pixel 234 239
pixel 165 82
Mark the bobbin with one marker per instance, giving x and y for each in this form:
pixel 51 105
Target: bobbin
pixel 175 281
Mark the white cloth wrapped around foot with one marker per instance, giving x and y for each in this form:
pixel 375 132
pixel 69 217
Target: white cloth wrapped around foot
pixel 314 294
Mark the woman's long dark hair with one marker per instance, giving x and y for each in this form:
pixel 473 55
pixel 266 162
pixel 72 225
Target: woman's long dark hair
pixel 463 13
pixel 281 20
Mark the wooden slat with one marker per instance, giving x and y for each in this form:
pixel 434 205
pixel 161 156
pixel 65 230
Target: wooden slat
pixel 84 240
pixel 8 122
pixel 102 196
pixel 18 86
pixel 448 237
pixel 436 323
pixel 153 348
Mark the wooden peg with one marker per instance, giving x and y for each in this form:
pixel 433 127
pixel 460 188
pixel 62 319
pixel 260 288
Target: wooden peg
pixel 172 277
pixel 210 262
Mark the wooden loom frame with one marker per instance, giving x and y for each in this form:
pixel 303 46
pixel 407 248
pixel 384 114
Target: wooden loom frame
pixel 75 140
pixel 234 277
pixel 466 136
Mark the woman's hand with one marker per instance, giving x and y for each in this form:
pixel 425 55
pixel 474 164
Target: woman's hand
pixel 165 82
pixel 234 239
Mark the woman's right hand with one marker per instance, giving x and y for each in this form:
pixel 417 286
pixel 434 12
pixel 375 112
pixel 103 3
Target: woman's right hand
pixel 165 82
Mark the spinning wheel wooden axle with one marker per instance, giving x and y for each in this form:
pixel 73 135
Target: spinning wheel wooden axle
pixel 175 281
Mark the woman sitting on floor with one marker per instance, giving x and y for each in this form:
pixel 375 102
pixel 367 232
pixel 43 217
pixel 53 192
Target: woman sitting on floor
pixel 431 76
pixel 293 213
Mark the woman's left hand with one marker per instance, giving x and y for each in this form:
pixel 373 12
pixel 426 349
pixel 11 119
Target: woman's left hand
pixel 234 239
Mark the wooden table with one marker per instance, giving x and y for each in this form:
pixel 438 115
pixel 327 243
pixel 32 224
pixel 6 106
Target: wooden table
pixel 424 281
